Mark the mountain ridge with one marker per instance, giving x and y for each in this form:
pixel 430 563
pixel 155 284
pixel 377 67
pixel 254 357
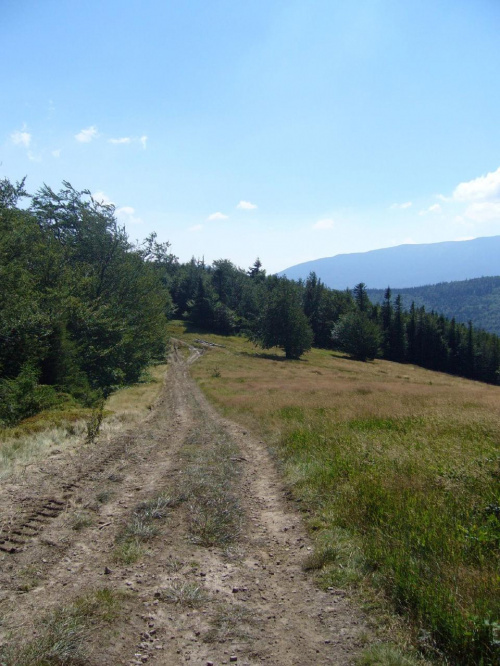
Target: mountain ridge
pixel 407 265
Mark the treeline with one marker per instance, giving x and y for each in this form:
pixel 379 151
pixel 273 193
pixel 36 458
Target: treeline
pixel 295 315
pixel 476 300
pixel 82 310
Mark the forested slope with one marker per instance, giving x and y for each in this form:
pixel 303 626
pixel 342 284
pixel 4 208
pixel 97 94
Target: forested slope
pixel 476 300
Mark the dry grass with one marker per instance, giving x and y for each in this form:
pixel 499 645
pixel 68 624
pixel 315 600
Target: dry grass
pixel 231 622
pixel 58 430
pixel 184 593
pixel 131 404
pixel 398 468
pixel 62 636
pixel 207 486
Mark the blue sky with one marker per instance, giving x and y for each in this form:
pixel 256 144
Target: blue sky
pixel 289 130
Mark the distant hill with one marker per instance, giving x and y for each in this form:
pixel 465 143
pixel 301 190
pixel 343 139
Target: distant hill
pixel 475 300
pixel 406 265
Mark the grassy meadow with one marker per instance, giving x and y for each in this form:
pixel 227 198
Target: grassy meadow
pixel 398 471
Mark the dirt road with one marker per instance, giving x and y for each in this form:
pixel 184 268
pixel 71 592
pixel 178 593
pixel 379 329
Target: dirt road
pixel 244 600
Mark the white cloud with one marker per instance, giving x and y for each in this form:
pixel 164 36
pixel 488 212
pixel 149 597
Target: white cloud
pixel 56 153
pixel 326 223
pixel 21 138
pixel 86 135
pixel 124 140
pixel 465 238
pixel 483 212
pixel 246 205
pixel 103 198
pixel 401 206
pixel 143 141
pixel 484 188
pixel 196 227
pixel 126 215
pixel 217 216
pixel 435 208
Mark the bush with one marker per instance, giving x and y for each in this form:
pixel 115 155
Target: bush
pixel 23 396
pixel 358 336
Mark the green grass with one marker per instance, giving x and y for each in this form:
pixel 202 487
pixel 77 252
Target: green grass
pixel 398 469
pixel 428 521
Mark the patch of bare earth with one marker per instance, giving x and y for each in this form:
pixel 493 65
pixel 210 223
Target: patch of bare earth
pixel 244 599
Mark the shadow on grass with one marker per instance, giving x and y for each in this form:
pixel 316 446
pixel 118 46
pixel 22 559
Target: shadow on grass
pixel 271 357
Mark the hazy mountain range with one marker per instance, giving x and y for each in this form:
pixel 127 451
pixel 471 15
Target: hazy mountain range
pixel 406 265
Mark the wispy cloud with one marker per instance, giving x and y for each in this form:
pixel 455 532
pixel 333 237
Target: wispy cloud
pixel 34 158
pixel 326 223
pixel 196 227
pixel 435 208
pixel 484 188
pixel 86 135
pixel 21 138
pixel 143 140
pixel 246 205
pixel 123 140
pixel 56 153
pixel 217 216
pixel 401 206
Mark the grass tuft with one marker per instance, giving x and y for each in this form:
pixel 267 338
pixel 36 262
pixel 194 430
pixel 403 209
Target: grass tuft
pixel 80 520
pixel 230 622
pixel 184 593
pixel 141 528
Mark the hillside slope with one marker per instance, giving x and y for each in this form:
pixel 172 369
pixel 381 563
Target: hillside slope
pixel 405 265
pixel 476 300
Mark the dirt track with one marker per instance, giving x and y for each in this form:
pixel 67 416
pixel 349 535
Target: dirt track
pixel 257 604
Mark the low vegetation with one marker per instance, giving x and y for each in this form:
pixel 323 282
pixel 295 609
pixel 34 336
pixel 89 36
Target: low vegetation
pixel 57 429
pixel 184 593
pixel 142 527
pixel 398 470
pixel 62 636
pixel 210 473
